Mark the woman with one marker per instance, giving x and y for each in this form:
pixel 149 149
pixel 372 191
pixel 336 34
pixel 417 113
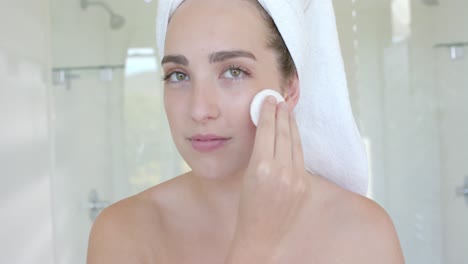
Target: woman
pixel 248 198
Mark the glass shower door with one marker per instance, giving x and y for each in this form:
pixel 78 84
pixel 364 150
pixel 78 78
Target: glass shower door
pixel 87 121
pixel 111 138
pixel 407 67
pixel 452 76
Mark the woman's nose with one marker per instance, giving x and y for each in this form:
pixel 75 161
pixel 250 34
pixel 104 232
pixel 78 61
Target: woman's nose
pixel 204 103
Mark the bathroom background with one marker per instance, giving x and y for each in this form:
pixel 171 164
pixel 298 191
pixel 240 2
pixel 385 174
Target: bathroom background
pixel 82 123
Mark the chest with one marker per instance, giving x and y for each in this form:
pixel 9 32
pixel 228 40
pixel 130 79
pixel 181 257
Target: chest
pixel 191 243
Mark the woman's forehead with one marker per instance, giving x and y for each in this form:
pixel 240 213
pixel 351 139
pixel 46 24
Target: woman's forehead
pixel 219 24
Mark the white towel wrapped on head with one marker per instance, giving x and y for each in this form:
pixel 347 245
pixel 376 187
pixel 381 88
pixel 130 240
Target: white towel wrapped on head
pixel 332 145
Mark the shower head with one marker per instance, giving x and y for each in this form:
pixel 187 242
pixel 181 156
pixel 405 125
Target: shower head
pixel 431 2
pixel 116 21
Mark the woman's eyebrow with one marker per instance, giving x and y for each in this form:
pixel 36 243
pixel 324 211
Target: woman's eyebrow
pixel 214 57
pixel 177 59
pixel 225 55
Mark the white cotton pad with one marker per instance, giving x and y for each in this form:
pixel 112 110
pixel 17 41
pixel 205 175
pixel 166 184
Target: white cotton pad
pixel 257 103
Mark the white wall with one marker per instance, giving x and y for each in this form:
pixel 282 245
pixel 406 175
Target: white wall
pixel 25 163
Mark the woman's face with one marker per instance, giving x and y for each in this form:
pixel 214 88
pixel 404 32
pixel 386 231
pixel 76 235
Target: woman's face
pixel 216 60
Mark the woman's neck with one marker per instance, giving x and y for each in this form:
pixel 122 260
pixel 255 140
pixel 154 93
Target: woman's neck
pixel 220 196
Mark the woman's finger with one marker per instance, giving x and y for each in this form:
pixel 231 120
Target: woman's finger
pixel 297 154
pixel 264 145
pixel 283 135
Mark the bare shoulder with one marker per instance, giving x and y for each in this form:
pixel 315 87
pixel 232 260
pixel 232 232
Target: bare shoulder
pixel 128 231
pixel 117 235
pixel 366 232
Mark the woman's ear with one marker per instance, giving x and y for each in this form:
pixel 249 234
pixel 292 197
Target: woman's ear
pixel 292 92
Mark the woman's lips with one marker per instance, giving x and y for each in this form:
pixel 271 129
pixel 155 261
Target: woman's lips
pixel 207 143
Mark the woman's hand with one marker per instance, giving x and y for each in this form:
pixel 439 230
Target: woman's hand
pixel 274 189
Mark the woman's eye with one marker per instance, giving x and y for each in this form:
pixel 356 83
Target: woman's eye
pixel 233 73
pixel 180 76
pixel 176 77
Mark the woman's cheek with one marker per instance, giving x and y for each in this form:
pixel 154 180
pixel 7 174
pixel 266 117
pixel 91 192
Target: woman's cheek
pixel 237 98
pixel 174 101
pixel 238 110
pixel 240 88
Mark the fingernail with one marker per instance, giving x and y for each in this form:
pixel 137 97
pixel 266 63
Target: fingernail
pixel 271 99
